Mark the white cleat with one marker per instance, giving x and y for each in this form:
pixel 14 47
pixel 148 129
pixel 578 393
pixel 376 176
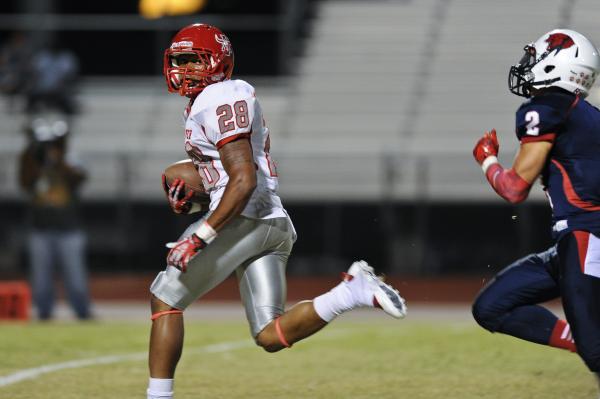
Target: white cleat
pixel 379 294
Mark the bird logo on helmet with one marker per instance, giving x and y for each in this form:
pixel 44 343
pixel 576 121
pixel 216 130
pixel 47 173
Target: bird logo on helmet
pixel 225 44
pixel 557 59
pixel 559 41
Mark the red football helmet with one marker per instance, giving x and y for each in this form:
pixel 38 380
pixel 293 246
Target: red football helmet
pixel 199 55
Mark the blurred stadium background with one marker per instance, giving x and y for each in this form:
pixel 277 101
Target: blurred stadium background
pixel 374 107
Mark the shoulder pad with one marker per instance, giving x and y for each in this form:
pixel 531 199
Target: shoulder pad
pixel 542 117
pixel 224 92
pixel 558 100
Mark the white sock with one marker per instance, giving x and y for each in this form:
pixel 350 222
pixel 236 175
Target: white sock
pixel 160 388
pixel 340 299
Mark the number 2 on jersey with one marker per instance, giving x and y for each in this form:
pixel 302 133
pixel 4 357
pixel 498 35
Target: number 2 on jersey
pixel 533 119
pixel 226 116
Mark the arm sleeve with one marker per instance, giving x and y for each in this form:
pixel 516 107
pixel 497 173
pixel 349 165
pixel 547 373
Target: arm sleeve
pixel 507 183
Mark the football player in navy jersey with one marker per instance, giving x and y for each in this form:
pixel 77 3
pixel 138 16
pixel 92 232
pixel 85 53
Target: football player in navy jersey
pixel 559 134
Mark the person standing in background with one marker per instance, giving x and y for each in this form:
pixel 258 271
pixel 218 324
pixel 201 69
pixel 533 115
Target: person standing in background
pixel 54 73
pixel 52 181
pixel 15 63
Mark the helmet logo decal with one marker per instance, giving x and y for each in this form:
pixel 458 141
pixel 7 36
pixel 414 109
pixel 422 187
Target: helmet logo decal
pixel 224 42
pixel 182 44
pixel 558 41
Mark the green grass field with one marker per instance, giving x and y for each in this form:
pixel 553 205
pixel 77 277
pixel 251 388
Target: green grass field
pixel 380 358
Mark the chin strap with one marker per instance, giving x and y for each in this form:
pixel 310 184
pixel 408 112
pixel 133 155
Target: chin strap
pixel 506 182
pixel 165 312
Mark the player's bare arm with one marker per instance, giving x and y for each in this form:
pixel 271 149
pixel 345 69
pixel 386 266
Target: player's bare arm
pixel 238 162
pixel 511 184
pixel 530 159
pixel 239 165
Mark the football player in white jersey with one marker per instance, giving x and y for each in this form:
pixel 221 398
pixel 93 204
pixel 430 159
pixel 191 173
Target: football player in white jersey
pixel 247 230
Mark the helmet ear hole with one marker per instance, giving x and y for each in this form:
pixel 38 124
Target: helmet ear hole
pixel 549 68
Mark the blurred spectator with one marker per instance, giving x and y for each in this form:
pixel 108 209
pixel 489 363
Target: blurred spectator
pixel 15 59
pixel 56 239
pixel 54 73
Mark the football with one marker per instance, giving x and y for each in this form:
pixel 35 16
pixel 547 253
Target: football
pixel 186 171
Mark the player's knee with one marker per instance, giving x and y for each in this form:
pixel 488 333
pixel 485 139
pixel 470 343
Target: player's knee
pixel 592 362
pixel 158 306
pixel 485 315
pixel 268 344
pixel 268 341
pixel 591 357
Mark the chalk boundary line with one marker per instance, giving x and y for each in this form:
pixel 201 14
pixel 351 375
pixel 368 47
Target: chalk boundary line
pixel 228 346
pixel 34 372
pixel 223 311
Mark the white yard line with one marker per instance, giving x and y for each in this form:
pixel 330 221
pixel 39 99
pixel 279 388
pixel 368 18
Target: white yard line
pixel 28 374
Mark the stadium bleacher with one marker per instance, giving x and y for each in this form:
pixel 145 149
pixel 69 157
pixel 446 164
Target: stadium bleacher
pixel 386 102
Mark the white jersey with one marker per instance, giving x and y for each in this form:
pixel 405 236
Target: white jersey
pixel 221 113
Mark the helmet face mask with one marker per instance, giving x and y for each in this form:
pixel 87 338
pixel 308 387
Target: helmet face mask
pixel 199 55
pixel 520 78
pixel 561 58
pixel 189 71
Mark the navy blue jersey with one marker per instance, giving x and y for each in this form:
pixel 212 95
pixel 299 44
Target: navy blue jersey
pixel 571 176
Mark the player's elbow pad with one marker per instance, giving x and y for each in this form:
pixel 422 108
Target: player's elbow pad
pixel 508 184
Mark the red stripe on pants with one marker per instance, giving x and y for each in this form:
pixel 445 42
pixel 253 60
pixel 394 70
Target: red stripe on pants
pixel 582 238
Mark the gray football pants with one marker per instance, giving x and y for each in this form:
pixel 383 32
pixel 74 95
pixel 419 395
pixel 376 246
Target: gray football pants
pixel 256 249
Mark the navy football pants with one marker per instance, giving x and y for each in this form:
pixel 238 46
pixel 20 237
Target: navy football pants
pixel 581 295
pixel 509 303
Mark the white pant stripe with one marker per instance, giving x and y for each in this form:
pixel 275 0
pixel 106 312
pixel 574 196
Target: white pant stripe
pixel 591 266
pixel 566 332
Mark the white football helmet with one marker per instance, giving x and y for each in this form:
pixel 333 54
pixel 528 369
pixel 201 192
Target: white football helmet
pixel 560 58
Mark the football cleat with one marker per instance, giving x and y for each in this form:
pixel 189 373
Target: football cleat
pixel 375 292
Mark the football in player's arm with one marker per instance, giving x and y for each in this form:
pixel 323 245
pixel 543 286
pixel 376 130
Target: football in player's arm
pixel 559 134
